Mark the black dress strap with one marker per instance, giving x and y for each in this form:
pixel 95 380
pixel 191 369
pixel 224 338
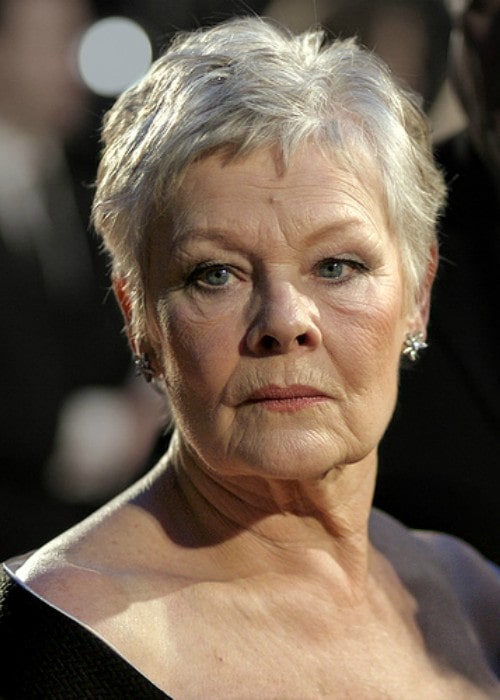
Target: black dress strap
pixel 44 654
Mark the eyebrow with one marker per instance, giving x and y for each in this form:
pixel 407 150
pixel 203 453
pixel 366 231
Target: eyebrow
pixel 345 226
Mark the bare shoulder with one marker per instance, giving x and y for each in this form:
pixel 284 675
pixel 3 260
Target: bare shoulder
pixel 100 570
pixel 474 579
pixel 443 568
pixel 470 573
pixel 70 572
pixel 99 549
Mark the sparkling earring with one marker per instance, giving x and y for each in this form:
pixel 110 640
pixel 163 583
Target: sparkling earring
pixel 143 366
pixel 414 342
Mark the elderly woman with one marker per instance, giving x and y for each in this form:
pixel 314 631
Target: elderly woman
pixel 269 204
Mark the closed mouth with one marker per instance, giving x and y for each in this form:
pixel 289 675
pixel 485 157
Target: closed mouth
pixel 287 398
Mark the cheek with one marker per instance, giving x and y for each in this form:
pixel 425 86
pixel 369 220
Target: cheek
pixel 368 335
pixel 198 353
pixel 368 361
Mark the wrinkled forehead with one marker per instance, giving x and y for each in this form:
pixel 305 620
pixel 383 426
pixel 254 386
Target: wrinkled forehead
pixel 355 170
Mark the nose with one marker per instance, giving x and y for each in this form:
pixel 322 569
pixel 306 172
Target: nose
pixel 286 320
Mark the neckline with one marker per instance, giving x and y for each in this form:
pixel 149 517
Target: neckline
pixel 11 566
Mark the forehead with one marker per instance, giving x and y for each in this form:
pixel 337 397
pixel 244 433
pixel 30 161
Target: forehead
pixel 313 186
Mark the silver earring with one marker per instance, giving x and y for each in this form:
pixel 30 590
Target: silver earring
pixel 143 366
pixel 414 342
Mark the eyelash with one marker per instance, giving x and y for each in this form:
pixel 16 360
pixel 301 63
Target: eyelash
pixel 194 277
pixel 356 266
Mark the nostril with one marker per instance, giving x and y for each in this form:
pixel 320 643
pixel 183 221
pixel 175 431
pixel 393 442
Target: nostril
pixel 268 342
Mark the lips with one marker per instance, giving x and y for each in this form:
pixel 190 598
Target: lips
pixel 291 398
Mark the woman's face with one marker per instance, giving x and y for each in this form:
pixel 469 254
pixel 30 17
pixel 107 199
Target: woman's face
pixel 278 301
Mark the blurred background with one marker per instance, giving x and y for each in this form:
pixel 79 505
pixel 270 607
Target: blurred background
pixel 77 425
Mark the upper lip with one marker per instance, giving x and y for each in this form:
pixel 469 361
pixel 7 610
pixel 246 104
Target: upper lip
pixel 274 392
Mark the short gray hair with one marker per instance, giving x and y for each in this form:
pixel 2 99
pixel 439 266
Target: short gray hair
pixel 244 85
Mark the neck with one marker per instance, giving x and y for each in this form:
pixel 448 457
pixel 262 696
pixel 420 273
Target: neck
pixel 254 526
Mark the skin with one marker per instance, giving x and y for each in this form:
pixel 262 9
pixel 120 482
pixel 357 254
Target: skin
pixel 280 318
pixel 250 541
pixel 279 321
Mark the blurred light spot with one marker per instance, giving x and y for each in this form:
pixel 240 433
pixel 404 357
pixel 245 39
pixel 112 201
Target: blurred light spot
pixel 114 53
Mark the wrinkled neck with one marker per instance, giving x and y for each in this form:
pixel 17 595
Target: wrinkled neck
pixel 256 525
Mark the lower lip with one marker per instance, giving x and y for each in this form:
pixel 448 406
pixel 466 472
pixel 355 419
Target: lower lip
pixel 289 404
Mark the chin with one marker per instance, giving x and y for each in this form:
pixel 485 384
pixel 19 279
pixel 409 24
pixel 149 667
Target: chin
pixel 288 455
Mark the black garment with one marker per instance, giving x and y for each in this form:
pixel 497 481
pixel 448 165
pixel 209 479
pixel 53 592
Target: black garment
pixel 46 655
pixel 440 459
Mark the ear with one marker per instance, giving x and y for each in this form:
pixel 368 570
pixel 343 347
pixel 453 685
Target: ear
pixel 124 300
pixel 140 346
pixel 419 318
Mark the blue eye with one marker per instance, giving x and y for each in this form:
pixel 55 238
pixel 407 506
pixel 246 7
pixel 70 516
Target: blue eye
pixel 339 270
pixel 215 276
pixel 332 269
pixel 210 275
